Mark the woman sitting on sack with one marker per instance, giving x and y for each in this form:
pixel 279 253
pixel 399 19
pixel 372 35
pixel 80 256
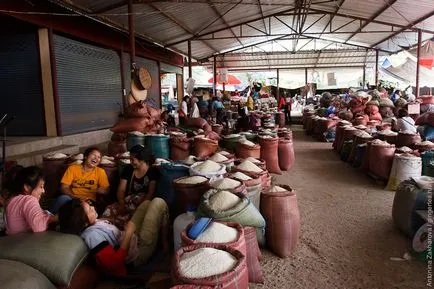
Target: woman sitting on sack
pixel 84 181
pixel 137 183
pixel 112 249
pixel 404 122
pixel 23 213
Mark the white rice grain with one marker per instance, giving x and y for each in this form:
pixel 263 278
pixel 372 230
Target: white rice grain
pixel 223 200
pixel 241 176
pixel 192 180
pixel 207 166
pixel 218 233
pixel 206 262
pixel 225 184
pixel 250 167
pixel 276 189
pixel 218 158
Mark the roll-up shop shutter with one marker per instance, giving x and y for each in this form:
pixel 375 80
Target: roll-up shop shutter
pixel 20 80
pixel 88 84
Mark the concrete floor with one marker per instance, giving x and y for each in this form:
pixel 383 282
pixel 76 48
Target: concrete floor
pixel 347 234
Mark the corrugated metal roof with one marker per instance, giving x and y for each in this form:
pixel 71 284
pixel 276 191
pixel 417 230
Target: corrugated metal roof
pixel 224 27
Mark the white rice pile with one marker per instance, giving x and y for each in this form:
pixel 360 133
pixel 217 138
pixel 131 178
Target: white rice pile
pixel 406 132
pixel 106 162
pixel 137 133
pixel 108 158
pixel 207 166
pixel 192 180
pixel 350 128
pixel 225 153
pixel 388 132
pixel 190 160
pixel 426 143
pixel 225 184
pixel 160 161
pixel 56 156
pixel 276 189
pixel 405 149
pixel 77 162
pixel 78 157
pixel 248 143
pixel 249 166
pixel 223 200
pixel 176 133
pixel 200 136
pixel 218 158
pixel 218 233
pixel 380 142
pixel 266 136
pixel 125 161
pixel 232 135
pixel 241 176
pixel 345 122
pixel 363 134
pixel 253 160
pixel 361 126
pixel 206 262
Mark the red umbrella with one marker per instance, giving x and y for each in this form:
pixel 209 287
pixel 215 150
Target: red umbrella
pixel 232 80
pixel 427 54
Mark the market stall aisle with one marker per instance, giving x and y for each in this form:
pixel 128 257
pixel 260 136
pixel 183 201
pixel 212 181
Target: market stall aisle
pixel 347 234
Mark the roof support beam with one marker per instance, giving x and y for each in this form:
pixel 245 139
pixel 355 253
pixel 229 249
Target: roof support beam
pixel 181 25
pixel 341 2
pixel 110 7
pixel 365 19
pixel 426 16
pixel 220 16
pixel 378 13
pixel 199 34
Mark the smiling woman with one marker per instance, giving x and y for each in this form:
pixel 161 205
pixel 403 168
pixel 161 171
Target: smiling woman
pixel 23 212
pixel 83 181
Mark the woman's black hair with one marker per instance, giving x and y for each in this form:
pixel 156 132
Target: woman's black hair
pixel 27 176
pixel 142 154
pixel 87 152
pixel 402 112
pixel 72 217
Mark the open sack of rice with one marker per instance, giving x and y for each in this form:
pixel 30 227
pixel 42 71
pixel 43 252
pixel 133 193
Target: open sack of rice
pixel 229 207
pixel 280 210
pixel 404 167
pixel 254 171
pixel 229 184
pixel 232 235
pixel 286 154
pixel 189 190
pixel 209 169
pixel 425 146
pixel 246 148
pixel 217 266
pixel 408 138
pixel 253 186
pixel 381 158
pixel 204 147
pixel 223 159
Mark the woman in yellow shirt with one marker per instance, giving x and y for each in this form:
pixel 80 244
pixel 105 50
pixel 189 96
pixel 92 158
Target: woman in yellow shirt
pixel 83 181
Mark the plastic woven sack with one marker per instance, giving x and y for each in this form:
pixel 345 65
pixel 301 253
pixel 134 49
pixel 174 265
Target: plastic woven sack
pixel 244 213
pixel 236 278
pixel 286 154
pixel 281 213
pixel 269 153
pixel 404 167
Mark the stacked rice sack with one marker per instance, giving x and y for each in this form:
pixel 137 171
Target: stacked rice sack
pixel 426 123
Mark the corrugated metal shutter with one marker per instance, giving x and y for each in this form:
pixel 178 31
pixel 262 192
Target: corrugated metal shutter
pixel 89 85
pixel 127 71
pixel 167 68
pixel 20 82
pixel 154 94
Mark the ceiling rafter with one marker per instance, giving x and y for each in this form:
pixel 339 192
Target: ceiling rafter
pixel 415 22
pixel 217 18
pixel 376 14
pixel 223 19
pixel 227 58
pixel 262 14
pixel 180 24
pixel 111 7
pixel 366 19
pixel 225 28
pixel 341 2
